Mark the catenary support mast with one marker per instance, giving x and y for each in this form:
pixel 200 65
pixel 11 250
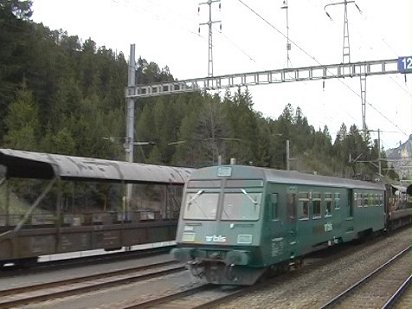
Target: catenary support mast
pixel 209 23
pixel 129 142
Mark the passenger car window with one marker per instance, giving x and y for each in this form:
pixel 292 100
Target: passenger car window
pixel 359 200
pixel 337 200
pixel 303 209
pixel 316 205
pixel 328 208
pixel 328 204
pixel 291 207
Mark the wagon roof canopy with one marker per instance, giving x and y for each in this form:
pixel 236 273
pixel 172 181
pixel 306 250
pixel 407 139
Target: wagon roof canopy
pixel 25 164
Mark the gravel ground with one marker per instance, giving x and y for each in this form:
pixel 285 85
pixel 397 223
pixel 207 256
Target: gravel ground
pixel 311 288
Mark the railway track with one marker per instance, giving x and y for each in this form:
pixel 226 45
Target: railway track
pixel 47 266
pixel 203 296
pixel 376 289
pixel 210 296
pixel 402 298
pixel 77 286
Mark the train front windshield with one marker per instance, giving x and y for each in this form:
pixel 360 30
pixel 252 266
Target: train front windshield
pixel 241 206
pixel 237 205
pixel 201 205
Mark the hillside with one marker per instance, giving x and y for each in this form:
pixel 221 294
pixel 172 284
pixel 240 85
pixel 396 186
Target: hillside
pixel 401 157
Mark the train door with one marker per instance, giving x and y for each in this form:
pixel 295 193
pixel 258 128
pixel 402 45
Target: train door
pixel 348 221
pixel 290 224
pixel 282 221
pixel 351 201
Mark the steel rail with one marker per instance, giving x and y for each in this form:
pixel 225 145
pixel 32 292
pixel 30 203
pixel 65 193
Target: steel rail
pixel 399 292
pixel 60 264
pixel 83 288
pixel 171 297
pixel 334 301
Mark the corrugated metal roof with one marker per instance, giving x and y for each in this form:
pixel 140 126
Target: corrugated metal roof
pixel 25 164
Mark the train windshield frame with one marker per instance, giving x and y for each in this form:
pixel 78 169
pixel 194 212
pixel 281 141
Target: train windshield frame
pixel 200 205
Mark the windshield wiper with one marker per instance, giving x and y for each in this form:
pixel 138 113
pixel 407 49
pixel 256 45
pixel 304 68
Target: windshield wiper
pixel 249 197
pixel 198 193
pixel 189 202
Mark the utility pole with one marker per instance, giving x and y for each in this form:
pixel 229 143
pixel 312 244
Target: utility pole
pixel 379 154
pixel 285 6
pixel 209 24
pixel 287 156
pixel 129 142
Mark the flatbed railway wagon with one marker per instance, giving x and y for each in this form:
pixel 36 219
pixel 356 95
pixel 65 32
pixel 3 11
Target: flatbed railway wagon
pixel 52 204
pixel 238 223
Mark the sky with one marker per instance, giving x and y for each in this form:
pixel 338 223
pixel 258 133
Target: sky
pixel 166 32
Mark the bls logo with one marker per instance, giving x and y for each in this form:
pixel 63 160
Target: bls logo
pixel 215 238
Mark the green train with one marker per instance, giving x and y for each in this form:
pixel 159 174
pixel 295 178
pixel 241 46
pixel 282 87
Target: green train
pixel 238 223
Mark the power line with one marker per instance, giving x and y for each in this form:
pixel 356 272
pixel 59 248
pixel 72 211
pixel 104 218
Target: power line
pixel 278 31
pixel 239 48
pixel 312 57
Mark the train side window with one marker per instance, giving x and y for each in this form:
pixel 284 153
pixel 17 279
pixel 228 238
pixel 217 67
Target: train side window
pixel 328 204
pixel 291 207
pixel 366 200
pixel 303 209
pixel 359 200
pixel 274 206
pixel 316 200
pixel 337 200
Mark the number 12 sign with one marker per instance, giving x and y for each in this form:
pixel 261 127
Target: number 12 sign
pixel 405 64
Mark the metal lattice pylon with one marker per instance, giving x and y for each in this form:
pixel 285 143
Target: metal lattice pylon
pixel 346 42
pixel 209 23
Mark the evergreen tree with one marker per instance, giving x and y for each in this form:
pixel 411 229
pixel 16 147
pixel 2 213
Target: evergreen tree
pixel 22 123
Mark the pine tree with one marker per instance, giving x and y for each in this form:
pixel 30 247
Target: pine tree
pixel 22 123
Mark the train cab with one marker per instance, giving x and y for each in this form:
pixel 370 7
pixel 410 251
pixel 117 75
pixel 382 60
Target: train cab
pixel 220 223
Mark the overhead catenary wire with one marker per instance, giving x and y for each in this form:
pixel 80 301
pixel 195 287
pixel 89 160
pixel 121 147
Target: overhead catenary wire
pixel 314 59
pixel 297 48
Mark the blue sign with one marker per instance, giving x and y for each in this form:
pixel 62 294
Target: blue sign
pixel 405 64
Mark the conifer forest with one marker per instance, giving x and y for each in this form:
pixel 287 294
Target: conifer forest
pixel 62 94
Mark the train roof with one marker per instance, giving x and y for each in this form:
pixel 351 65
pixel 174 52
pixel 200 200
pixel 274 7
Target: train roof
pixel 282 176
pixel 26 164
